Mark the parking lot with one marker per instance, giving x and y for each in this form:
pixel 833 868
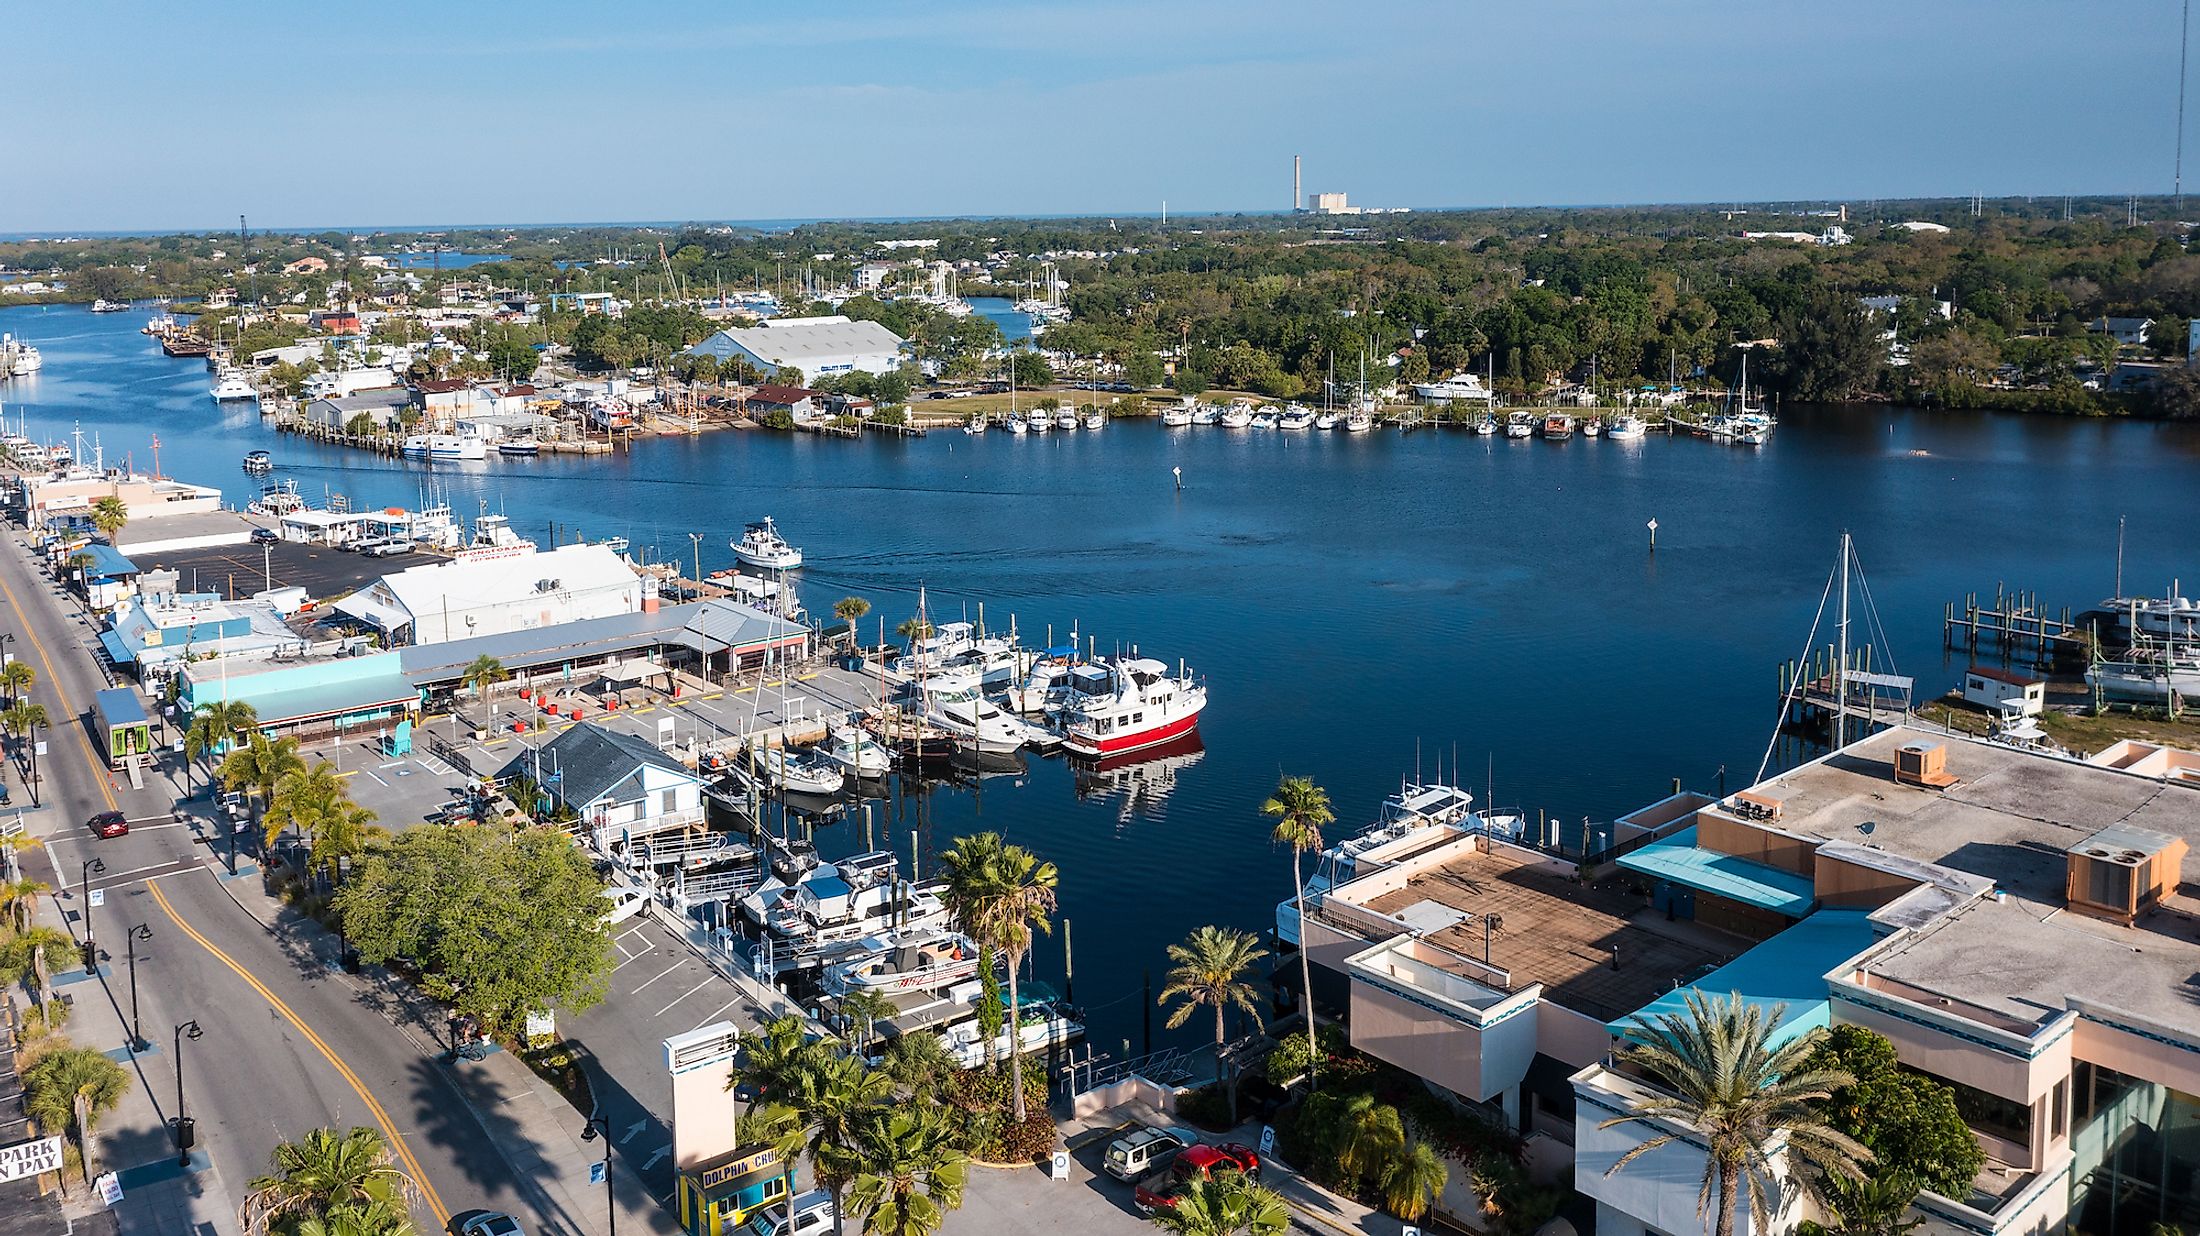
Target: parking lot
pixel 241 570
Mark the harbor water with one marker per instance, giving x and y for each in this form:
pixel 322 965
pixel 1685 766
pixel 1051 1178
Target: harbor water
pixel 1361 606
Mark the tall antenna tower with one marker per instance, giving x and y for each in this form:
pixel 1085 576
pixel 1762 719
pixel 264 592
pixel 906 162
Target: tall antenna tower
pixel 1295 184
pixel 2184 31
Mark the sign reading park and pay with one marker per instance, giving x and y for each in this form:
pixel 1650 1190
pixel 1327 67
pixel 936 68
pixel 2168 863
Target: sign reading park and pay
pixel 30 1158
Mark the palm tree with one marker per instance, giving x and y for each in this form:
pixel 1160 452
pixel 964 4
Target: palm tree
pixel 835 1094
pixel 323 1171
pixel 780 1127
pixel 1413 1181
pixel 485 672
pixel 904 1173
pixel 851 610
pixel 345 830
pixel 1370 1137
pixel 1002 893
pixel 1735 1093
pixel 19 898
pixel 215 726
pixel 1225 1204
pixel 1301 810
pixel 968 863
pixel 914 629
pixel 771 1059
pixel 866 1008
pixel 308 799
pixel 32 953
pixel 110 514
pixel 16 678
pixel 68 1090
pixel 21 719
pixel 918 1063
pixel 363 1219
pixel 1210 970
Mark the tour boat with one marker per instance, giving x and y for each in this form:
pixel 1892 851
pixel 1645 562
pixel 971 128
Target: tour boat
pixel 798 772
pixel 1267 418
pixel 232 384
pixel 519 448
pixel 1177 416
pixel 1096 420
pixel 1359 420
pixel 443 448
pixel 1296 418
pixel 1519 425
pixel 1486 427
pixel 1142 705
pixel 1207 415
pixel 762 547
pixel 1326 420
pixel 1625 427
pixel 1065 419
pixel 853 752
pixel 103 305
pixel 258 461
pixel 1237 416
pixel 904 961
pixel 1558 427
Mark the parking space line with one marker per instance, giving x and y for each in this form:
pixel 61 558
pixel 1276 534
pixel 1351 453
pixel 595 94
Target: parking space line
pixel 377 780
pixel 660 974
pixel 684 995
pixel 713 1014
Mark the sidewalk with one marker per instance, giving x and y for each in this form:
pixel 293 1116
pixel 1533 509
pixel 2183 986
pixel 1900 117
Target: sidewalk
pixel 531 1125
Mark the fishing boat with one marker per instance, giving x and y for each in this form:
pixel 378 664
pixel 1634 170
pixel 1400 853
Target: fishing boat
pixel 519 448
pixel 443 448
pixel 1520 425
pixel 904 961
pixel 1296 418
pixel 1177 416
pixel 1626 427
pixel 1140 704
pixel 1557 427
pixel 278 500
pixel 801 772
pixel 258 461
pixel 852 751
pixel 762 547
pixel 1065 419
pixel 1237 416
pixel 1486 427
pixel 1096 420
pixel 976 423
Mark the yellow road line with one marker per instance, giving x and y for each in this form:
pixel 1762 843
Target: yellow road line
pixel 99 774
pixel 381 1117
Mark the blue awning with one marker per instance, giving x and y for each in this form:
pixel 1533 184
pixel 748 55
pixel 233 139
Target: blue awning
pixel 106 562
pixel 118 650
pixel 1787 971
pixel 1678 859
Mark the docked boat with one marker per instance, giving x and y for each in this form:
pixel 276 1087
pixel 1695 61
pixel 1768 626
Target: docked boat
pixel 1557 427
pixel 1039 1025
pixel 1065 419
pixel 908 735
pixel 1296 418
pixel 1039 420
pixel 851 751
pixel 1034 692
pixel 843 901
pixel 277 500
pixel 1626 427
pixel 258 461
pixel 972 722
pixel 1177 416
pixel 1486 427
pixel 935 648
pixel 1752 429
pixel 904 961
pixel 762 547
pixel 1412 821
pixel 443 448
pixel 1460 389
pixel 1520 425
pixel 976 424
pixel 1359 420
pixel 1326 419
pixel 801 772
pixel 232 384
pixel 1016 425
pixel 103 305
pixel 1096 420
pixel 27 361
pixel 1267 418
pixel 1237 416
pixel 519 448
pixel 1140 704
pixel 1207 414
pixel 1591 427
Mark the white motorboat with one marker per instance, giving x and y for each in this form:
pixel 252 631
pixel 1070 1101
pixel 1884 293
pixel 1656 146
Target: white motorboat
pixel 278 500
pixel 976 424
pixel 1016 426
pixel 1591 427
pixel 904 961
pixel 934 649
pixel 972 722
pixel 231 384
pixel 1267 418
pixel 762 547
pixel 852 751
pixel 1065 419
pixel 1038 1025
pixel 258 461
pixel 1625 427
pixel 1096 420
pixel 519 448
pixel 1359 420
pixel 1207 414
pixel 1486 427
pixel 1138 704
pixel 1039 419
pixel 1752 429
pixel 801 772
pixel 443 448
pixel 1327 420
pixel 103 305
pixel 1035 691
pixel 1237 416
pixel 1557 427
pixel 1296 418
pixel 1462 388
pixel 841 901
pixel 1520 425
pixel 1177 415
pixel 27 361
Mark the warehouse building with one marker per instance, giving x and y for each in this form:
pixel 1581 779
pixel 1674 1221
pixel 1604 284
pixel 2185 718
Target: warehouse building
pixel 819 347
pixel 490 596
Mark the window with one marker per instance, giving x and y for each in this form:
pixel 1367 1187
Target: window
pixel 671 802
pixel 2055 1113
pixel 1990 1114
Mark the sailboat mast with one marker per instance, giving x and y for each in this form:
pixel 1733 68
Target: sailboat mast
pixel 1841 659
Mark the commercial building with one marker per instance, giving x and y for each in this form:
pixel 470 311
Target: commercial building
pixel 622 787
pixel 819 347
pixel 524 590
pixel 160 630
pixel 68 499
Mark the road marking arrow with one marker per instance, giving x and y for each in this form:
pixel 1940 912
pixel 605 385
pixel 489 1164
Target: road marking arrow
pixel 637 1127
pixel 662 1151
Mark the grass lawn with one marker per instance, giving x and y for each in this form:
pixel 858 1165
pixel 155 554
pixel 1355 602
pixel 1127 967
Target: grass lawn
pixel 2077 731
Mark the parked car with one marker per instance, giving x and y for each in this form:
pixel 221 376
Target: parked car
pixel 266 536
pixel 491 1223
pixel 1196 1163
pixel 622 902
pixel 1145 1150
pixel 108 824
pixel 813 1215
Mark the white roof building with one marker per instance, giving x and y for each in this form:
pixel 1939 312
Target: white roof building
pixel 491 596
pixel 816 346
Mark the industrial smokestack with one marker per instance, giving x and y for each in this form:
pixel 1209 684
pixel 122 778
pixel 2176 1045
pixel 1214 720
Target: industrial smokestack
pixel 1295 199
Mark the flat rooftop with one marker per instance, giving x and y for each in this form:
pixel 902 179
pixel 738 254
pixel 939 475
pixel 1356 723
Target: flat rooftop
pixel 1558 933
pixel 241 570
pixel 2010 816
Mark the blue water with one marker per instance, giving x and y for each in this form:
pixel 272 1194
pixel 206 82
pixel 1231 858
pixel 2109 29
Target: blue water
pixel 1347 598
pixel 446 260
pixel 1014 323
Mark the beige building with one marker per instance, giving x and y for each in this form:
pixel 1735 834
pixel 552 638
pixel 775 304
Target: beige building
pixel 72 495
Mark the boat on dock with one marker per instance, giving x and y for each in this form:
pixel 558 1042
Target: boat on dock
pixel 1096 420
pixel 1139 704
pixel 1359 420
pixel 1177 416
pixel 1065 419
pixel 1520 425
pixel 1486 427
pixel 1626 427
pixel 1296 418
pixel 762 547
pixel 801 772
pixel 1040 1024
pixel 24 360
pixel 1236 416
pixel 971 721
pixel 1557 427
pixel 852 751
pixel 1267 418
pixel 904 961
pixel 1207 414
pixel 519 448
pixel 1418 818
pixel 232 385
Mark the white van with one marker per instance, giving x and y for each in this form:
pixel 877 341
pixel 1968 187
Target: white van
pixel 624 903
pixel 813 1216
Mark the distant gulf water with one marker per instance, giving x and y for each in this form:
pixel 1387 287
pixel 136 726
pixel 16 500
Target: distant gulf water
pixel 1357 604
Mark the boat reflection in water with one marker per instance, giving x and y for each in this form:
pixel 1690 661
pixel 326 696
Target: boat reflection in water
pixel 1143 778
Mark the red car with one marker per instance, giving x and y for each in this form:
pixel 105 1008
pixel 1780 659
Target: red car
pixel 1195 1164
pixel 109 824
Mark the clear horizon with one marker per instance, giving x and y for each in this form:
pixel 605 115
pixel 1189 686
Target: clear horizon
pixel 166 120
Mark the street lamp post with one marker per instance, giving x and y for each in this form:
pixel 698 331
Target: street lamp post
pixel 84 894
pixel 602 1125
pixel 31 733
pixel 187 1133
pixel 143 931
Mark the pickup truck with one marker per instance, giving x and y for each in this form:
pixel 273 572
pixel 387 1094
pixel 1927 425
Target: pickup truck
pixel 1196 1163
pixel 1145 1150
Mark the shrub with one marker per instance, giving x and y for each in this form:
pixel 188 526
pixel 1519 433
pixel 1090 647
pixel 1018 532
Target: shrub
pixel 1207 1106
pixel 1339 1060
pixel 1021 1143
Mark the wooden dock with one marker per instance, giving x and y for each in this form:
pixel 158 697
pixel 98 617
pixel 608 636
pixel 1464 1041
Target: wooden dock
pixel 2015 624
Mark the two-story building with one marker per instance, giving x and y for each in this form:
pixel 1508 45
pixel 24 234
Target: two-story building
pixel 621 787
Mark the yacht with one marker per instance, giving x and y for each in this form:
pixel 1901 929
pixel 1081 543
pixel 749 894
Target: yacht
pixel 1558 427
pixel 443 448
pixel 1039 1024
pixel 1267 418
pixel 1486 427
pixel 947 642
pixel 1465 386
pixel 232 384
pixel 1140 704
pixel 103 305
pixel 1296 418
pixel 852 751
pixel 801 772
pixel 258 461
pixel 519 448
pixel 1625 427
pixel 27 361
pixel 1066 419
pixel 1519 425
pixel 1177 416
pixel 1039 420
pixel 761 546
pixel 1325 419
pixel 1752 429
pixel 278 500
pixel 904 961
pixel 842 901
pixel 1237 416
pixel 1359 420
pixel 972 722
pixel 1207 415
pixel 1096 420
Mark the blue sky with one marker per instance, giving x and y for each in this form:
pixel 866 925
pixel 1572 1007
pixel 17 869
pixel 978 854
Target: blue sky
pixel 184 116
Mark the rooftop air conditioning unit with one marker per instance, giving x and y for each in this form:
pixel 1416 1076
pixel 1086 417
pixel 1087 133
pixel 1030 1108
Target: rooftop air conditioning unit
pixel 2122 871
pixel 1923 764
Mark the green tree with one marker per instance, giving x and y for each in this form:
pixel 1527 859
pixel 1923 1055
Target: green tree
pixel 1727 1087
pixel 109 515
pixel 302 800
pixel 30 954
pixel 1225 1204
pixel 851 610
pixel 362 1219
pixel 863 1009
pixel 485 672
pixel 1413 1180
pixel 19 899
pixel 500 923
pixel 1002 894
pixel 835 1094
pixel 1031 369
pixel 69 1089
pixel 1143 370
pixel 259 766
pixel 325 1171
pixel 1301 810
pixel 1830 349
pixel 16 678
pixel 512 358
pixel 1210 970
pixel 1909 1122
pixel 904 1173
pixel 919 1063
pixel 360 425
pixel 215 726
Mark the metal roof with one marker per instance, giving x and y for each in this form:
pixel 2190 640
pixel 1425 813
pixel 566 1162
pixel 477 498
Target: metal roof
pixel 1787 972
pixel 591 762
pixel 1678 859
